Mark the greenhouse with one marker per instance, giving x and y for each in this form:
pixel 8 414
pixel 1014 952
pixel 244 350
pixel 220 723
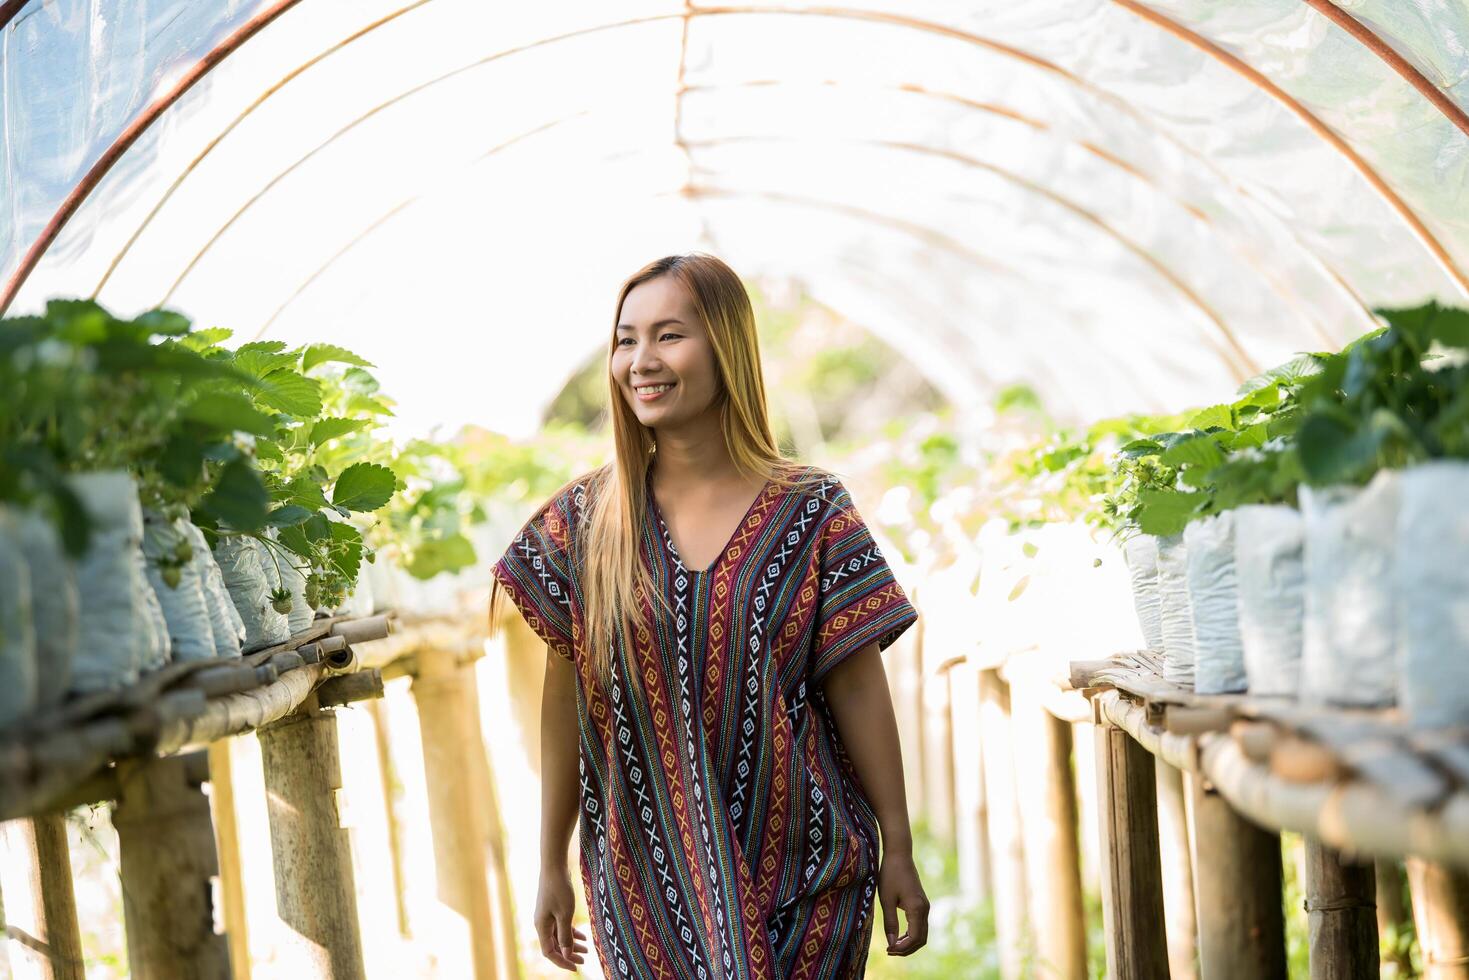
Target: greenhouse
pixel 1136 330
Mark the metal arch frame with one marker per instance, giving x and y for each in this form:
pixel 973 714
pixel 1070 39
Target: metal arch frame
pixel 1242 368
pixel 1374 42
pixel 99 169
pixel 9 10
pixel 1313 122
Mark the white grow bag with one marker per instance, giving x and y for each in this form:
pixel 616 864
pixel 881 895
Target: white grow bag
pixel 1177 616
pixel 54 605
pixel 1141 552
pixel 115 631
pixel 1219 660
pixel 190 632
pixel 1269 551
pixel 1348 639
pixel 1432 593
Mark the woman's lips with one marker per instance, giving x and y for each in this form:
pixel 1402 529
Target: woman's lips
pixel 652 396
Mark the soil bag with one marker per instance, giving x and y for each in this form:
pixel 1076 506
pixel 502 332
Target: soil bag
pixel 54 605
pixel 1177 617
pixel 114 631
pixel 239 559
pixel 1141 552
pixel 1348 639
pixel 17 628
pixel 301 615
pixel 1269 553
pixel 1219 660
pixel 224 619
pixel 154 652
pixel 1432 590
pixel 191 635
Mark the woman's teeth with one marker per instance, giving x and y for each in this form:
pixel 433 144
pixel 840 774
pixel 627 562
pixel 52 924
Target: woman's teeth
pixel 652 392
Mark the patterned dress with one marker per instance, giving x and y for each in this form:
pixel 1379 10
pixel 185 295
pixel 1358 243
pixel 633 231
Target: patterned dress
pixel 724 833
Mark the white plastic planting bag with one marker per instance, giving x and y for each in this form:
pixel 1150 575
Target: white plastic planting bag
pixel 1269 546
pixel 224 619
pixel 114 630
pixel 1348 642
pixel 154 652
pixel 1219 661
pixel 301 615
pixel 1433 593
pixel 191 635
pixel 1141 552
pixel 239 560
pixel 54 605
pixel 1177 617
pixel 17 630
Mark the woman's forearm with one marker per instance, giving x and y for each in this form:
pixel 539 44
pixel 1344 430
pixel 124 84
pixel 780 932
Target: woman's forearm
pixel 857 692
pixel 559 764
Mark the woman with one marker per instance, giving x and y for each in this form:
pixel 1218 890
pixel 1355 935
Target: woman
pixel 729 748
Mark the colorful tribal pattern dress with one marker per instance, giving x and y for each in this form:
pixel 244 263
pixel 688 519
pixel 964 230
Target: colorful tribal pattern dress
pixel 724 832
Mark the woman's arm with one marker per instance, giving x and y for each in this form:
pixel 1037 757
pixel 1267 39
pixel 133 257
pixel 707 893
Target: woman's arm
pixel 857 692
pixel 555 902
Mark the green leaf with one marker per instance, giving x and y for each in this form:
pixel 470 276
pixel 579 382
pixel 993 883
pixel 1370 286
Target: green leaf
pixel 323 353
pixel 346 549
pixel 238 498
pixel 230 412
pixel 202 340
pixel 288 516
pixel 261 357
pixel 1196 450
pixel 164 323
pixel 1332 453
pixel 449 554
pixel 331 428
pixel 368 405
pixel 364 487
pixel 1141 447
pixel 291 393
pixel 1220 415
pixel 1165 512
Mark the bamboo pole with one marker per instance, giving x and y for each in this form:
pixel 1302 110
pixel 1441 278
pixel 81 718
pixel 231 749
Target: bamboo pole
pixel 52 943
pixel 1046 794
pixel 1007 848
pixel 1342 913
pixel 231 864
pixel 1237 884
pixel 315 893
pixel 1132 879
pixel 456 810
pixel 502 895
pixel 1178 873
pixel 1441 911
pixel 388 772
pixel 1393 914
pixel 166 841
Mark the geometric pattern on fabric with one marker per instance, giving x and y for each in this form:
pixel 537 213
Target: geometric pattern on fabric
pixel 723 832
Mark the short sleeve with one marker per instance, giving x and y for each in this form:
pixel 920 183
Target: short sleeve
pixel 860 600
pixel 535 572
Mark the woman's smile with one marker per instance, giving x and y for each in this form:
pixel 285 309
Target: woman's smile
pixel 651 393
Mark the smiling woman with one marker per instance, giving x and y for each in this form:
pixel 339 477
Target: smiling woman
pixel 717 716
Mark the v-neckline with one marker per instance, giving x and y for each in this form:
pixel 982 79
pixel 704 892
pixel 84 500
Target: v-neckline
pixel 668 534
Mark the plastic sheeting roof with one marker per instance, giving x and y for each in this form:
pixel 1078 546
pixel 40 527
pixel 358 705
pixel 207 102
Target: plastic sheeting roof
pixel 1129 206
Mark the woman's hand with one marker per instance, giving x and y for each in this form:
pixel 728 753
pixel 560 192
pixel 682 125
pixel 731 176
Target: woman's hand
pixel 555 902
pixel 898 887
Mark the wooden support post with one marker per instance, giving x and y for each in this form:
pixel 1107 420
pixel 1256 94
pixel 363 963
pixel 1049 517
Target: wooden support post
pixel 1393 914
pixel 387 771
pixel 43 914
pixel 1178 873
pixel 1046 793
pixel 1007 848
pixel 1441 911
pixel 971 835
pixel 231 862
pixel 1342 913
pixel 166 840
pixel 1237 883
pixel 456 811
pixel 1132 879
pixel 502 896
pixel 314 889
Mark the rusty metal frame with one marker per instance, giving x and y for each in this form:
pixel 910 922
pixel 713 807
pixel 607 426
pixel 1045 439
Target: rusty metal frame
pixel 1313 122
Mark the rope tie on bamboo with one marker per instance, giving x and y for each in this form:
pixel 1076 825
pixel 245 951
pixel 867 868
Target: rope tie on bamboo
pixel 1336 906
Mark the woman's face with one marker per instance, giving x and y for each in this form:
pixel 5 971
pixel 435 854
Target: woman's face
pixel 660 341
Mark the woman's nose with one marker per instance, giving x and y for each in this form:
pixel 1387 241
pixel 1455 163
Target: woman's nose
pixel 645 360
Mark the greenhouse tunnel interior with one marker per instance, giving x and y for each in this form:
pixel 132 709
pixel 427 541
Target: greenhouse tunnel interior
pixel 1120 206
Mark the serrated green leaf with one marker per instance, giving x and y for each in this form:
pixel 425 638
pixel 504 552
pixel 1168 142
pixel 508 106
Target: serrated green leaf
pixel 1220 415
pixel 324 353
pixel 229 411
pixel 291 393
pixel 201 340
pixel 238 498
pixel 1165 512
pixel 1200 450
pixel 332 428
pixel 1141 447
pixel 346 550
pixel 364 487
pixel 288 516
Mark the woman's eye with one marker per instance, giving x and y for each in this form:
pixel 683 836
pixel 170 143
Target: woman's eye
pixel 670 335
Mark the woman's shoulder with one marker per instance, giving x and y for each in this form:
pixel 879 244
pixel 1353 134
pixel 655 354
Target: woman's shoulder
pixel 819 483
